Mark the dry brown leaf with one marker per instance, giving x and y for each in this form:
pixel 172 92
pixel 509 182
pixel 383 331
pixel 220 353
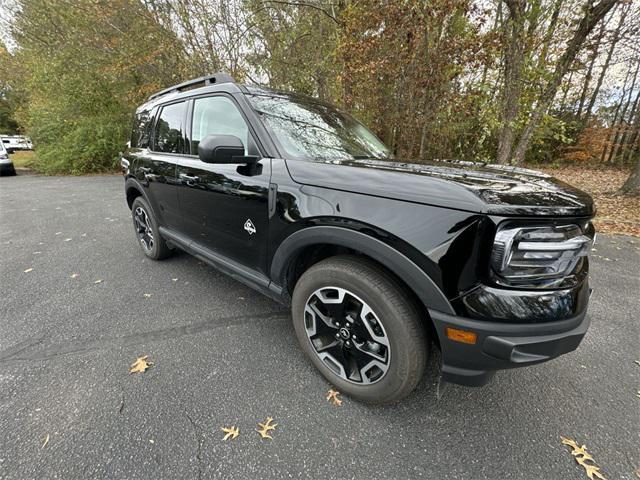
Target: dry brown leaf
pixel 231 432
pixel 28 270
pixel 582 457
pixel 46 440
pixel 140 365
pixel 266 427
pixel 332 396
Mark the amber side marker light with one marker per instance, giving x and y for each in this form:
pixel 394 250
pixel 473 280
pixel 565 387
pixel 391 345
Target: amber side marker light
pixel 462 336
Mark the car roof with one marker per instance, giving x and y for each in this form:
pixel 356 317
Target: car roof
pixel 223 83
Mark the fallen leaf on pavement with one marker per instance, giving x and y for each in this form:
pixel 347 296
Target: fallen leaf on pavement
pixel 332 396
pixel 582 458
pixel 231 432
pixel 46 440
pixel 28 270
pixel 266 427
pixel 140 365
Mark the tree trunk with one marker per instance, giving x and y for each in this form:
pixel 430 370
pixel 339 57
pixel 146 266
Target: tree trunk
pixel 620 130
pixel 513 64
pixel 607 62
pixel 594 14
pixel 608 144
pixel 632 185
pixel 587 78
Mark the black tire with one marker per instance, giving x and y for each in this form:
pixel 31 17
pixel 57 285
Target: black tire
pixel 394 309
pixel 157 248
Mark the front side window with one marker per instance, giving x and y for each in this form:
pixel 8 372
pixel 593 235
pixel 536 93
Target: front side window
pixel 311 130
pixel 169 132
pixel 217 116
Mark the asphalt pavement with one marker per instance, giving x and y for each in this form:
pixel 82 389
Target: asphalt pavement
pixel 79 303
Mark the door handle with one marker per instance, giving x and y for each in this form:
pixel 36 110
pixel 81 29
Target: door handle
pixel 146 173
pixel 189 180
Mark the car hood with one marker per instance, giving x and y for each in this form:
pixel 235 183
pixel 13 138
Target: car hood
pixel 475 187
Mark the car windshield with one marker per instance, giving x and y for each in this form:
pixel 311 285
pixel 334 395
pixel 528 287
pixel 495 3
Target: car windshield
pixel 311 130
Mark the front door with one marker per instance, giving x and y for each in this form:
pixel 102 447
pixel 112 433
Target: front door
pixel 224 207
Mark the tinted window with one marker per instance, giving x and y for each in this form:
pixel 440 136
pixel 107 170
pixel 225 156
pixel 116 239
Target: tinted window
pixel 217 116
pixel 169 133
pixel 142 128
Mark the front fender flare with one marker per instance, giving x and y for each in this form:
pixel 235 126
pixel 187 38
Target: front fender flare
pixel 419 282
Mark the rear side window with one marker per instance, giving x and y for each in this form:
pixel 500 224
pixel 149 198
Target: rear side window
pixel 169 132
pixel 142 128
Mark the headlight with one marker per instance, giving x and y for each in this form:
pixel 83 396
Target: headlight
pixel 540 255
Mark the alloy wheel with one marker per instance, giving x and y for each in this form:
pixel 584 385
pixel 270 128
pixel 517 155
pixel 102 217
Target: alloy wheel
pixel 347 335
pixel 143 228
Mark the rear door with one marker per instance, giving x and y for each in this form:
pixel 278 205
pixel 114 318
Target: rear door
pixel 155 165
pixel 224 207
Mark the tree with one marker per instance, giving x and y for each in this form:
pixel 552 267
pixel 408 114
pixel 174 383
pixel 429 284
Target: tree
pixel 632 185
pixel 515 151
pixel 83 67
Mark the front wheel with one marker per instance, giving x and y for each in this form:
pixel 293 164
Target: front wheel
pixel 360 328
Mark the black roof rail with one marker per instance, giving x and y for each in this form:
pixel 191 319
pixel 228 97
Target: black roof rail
pixel 206 80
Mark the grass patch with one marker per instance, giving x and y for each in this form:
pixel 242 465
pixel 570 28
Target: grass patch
pixel 23 159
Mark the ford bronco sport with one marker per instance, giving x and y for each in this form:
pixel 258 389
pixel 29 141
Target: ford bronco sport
pixel 379 259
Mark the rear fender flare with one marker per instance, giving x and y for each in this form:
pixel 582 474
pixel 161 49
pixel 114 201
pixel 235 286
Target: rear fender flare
pixel 132 184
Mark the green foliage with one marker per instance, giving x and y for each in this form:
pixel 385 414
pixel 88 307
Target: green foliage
pixel 82 81
pixel 550 139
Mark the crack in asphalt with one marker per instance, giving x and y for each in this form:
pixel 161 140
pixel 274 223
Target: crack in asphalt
pixel 25 352
pixel 197 429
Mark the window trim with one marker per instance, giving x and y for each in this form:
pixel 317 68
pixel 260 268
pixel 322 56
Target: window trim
pixel 161 107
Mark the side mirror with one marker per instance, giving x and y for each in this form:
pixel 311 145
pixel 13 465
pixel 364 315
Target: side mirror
pixel 223 149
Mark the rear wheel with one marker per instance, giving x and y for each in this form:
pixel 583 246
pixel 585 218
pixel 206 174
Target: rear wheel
pixel 360 329
pixel 146 228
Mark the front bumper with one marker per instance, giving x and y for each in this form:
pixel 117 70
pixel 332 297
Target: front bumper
pixel 501 345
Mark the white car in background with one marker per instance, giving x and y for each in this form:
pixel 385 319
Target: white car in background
pixel 6 165
pixel 13 143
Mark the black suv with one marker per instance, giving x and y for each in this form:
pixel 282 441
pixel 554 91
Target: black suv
pixel 379 259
